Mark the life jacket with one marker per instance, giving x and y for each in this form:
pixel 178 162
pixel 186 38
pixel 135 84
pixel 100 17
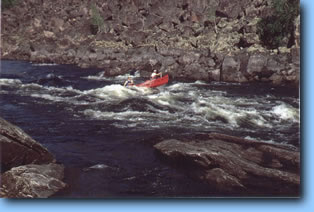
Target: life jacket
pixel 154 75
pixel 129 82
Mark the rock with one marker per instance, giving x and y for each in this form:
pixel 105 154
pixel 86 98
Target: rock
pixel 195 71
pixel 214 75
pixel 274 66
pixel 177 29
pixel 37 23
pixel 297 31
pixel 19 149
pixel 283 50
pixel 256 64
pixel 189 58
pixel 237 166
pixel 32 181
pixel 231 9
pixel 57 23
pixel 49 34
pixel 230 71
pixel 276 79
pixel 295 56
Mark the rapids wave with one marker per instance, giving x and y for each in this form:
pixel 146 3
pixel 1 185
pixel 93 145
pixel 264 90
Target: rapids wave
pixel 91 122
pixel 194 106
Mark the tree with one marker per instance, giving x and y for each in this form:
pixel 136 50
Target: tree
pixel 278 29
pixel 97 21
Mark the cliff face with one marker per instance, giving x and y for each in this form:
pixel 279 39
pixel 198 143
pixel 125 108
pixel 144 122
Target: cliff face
pixel 200 39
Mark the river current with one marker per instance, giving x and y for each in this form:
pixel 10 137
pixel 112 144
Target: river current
pixel 104 133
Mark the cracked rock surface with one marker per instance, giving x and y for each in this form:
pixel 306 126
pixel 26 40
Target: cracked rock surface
pixel 237 166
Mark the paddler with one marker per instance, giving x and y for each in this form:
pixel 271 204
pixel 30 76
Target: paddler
pixel 129 82
pixel 155 74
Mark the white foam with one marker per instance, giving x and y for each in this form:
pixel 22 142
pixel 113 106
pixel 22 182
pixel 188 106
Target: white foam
pixel 44 64
pixel 10 82
pixel 286 112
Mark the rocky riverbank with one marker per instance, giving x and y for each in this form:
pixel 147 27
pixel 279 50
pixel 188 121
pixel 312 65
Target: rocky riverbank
pixel 196 40
pixel 236 166
pixel 28 170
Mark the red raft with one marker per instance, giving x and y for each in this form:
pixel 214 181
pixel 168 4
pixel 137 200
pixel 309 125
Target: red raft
pixel 155 82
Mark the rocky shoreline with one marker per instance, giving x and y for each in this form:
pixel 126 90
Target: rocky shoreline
pixel 230 165
pixel 236 166
pixel 28 170
pixel 184 38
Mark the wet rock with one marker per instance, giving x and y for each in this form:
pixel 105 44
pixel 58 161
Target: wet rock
pixel 32 181
pixel 237 166
pixel 18 148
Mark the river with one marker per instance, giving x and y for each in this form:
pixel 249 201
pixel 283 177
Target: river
pixel 104 133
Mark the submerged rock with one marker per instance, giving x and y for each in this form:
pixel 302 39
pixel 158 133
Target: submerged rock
pixel 32 181
pixel 237 166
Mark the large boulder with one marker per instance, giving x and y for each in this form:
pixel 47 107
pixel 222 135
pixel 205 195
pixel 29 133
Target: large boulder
pixel 237 166
pixel 18 148
pixel 32 181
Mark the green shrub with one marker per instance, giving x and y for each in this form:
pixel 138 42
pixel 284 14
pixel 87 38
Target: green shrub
pixel 8 3
pixel 97 22
pixel 274 30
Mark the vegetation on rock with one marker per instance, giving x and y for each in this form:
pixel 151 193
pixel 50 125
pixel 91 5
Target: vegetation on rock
pixel 278 29
pixel 97 22
pixel 8 3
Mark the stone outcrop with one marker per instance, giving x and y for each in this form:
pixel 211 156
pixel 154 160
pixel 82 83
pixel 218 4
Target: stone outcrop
pixel 32 181
pixel 188 39
pixel 237 166
pixel 29 168
pixel 18 148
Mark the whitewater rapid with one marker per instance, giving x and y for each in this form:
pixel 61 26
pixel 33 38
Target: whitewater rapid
pixel 194 106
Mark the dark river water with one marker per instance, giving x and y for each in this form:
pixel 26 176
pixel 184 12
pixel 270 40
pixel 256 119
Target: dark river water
pixel 104 133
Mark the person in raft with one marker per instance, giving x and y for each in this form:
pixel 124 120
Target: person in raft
pixel 129 82
pixel 155 75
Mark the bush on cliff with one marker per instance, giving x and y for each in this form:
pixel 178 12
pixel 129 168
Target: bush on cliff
pixel 278 29
pixel 97 22
pixel 8 3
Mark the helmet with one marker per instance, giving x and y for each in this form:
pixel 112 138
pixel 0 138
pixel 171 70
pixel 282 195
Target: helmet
pixel 155 71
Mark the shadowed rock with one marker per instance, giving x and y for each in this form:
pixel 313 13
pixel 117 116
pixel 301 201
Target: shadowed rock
pixel 41 178
pixel 18 148
pixel 237 166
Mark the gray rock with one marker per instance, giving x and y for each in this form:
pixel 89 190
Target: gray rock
pixel 18 148
pixel 32 181
pixel 230 71
pixel 176 29
pixel 237 165
pixel 214 75
pixel 295 56
pixel 257 63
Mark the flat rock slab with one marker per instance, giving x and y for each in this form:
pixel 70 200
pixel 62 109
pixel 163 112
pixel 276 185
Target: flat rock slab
pixel 18 148
pixel 32 181
pixel 237 166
